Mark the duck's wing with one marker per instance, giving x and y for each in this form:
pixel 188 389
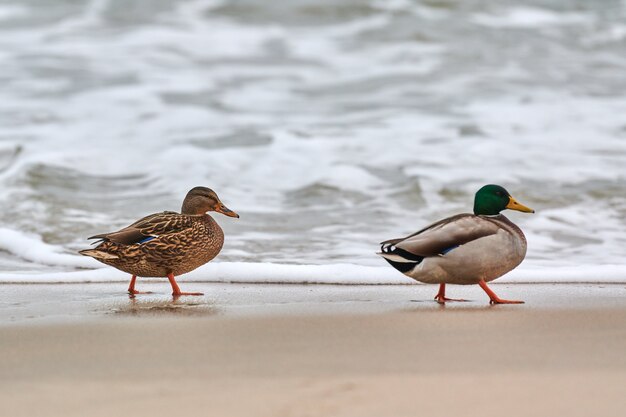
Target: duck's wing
pixel 441 237
pixel 148 228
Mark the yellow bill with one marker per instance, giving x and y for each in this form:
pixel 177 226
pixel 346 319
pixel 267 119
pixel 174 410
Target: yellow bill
pixel 514 205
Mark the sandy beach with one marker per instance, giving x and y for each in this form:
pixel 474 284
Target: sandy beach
pixel 247 351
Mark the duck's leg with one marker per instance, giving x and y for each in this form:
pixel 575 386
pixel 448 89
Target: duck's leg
pixel 176 290
pixel 494 299
pixel 131 287
pixel 441 295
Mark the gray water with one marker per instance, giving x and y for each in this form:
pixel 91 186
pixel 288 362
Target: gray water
pixel 329 126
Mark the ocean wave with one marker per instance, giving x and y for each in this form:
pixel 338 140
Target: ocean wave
pixel 31 248
pixel 328 127
pixel 531 17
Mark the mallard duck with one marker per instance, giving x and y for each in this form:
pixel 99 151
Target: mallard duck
pixel 464 249
pixel 166 244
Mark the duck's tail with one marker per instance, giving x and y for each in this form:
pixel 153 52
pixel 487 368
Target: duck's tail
pixel 98 254
pixel 400 259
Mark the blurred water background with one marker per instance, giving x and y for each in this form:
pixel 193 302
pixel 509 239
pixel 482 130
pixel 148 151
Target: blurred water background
pixel 328 125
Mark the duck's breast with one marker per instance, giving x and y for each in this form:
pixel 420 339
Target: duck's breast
pixel 200 246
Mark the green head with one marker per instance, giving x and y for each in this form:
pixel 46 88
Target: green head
pixel 492 199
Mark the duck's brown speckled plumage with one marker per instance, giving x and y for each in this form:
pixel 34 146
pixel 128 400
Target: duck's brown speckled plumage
pixel 166 244
pixel 182 244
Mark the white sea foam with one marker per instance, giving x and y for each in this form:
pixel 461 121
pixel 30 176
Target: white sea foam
pixel 342 274
pixel 530 17
pixel 31 248
pixel 12 11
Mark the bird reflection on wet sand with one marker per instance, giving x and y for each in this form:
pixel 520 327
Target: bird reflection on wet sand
pixel 176 306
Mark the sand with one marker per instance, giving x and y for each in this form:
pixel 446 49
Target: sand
pixel 318 355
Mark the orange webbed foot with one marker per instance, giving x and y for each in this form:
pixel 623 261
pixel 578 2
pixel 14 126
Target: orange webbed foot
pixel 501 301
pixel 441 296
pixel 493 298
pixel 131 288
pixel 443 300
pixel 178 294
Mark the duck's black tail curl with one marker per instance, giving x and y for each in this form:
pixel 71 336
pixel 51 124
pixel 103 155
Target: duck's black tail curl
pixel 400 259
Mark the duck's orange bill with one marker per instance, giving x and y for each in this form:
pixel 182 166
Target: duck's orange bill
pixel 514 205
pixel 226 211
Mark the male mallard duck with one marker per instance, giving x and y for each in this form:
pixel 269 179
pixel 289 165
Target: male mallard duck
pixel 464 249
pixel 166 244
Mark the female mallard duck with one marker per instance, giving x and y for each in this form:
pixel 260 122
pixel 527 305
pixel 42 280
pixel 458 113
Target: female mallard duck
pixel 166 244
pixel 464 249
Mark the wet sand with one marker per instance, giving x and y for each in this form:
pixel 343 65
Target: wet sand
pixel 313 351
pixel 63 303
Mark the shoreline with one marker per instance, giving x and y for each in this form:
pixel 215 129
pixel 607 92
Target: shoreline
pixel 338 273
pixel 75 303
pixel 347 284
pixel 70 302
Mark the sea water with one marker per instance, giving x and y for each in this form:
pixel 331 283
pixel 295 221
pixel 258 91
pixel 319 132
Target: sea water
pixel 328 126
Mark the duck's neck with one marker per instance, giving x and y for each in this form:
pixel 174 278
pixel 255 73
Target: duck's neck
pixel 193 207
pixel 492 216
pixel 485 209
